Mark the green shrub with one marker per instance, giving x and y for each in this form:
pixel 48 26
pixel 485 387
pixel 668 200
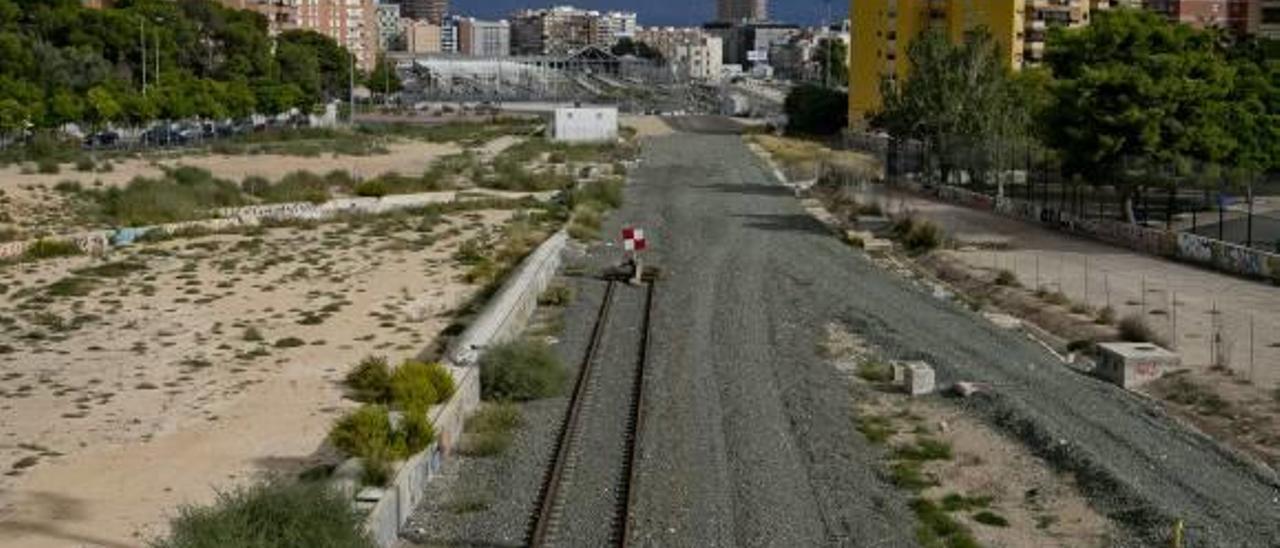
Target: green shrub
pixel 910 475
pixel 875 428
pixel 1134 328
pixel 48 166
pixel 937 528
pixel 955 502
pixel 521 371
pixel 183 194
pixel 370 380
pixel 606 193
pixel 1106 316
pixel 924 449
pixel 373 188
pixel 299 186
pixel 874 371
pixel 255 185
pixel 364 432
pixel 416 431
pixel 68 187
pixel 48 249
pixel 986 517
pixel 271 514
pixel 252 334
pixel 85 163
pixel 376 470
pixel 442 380
pixel 918 236
pixel 495 417
pixel 290 342
pixel 411 387
pixel 1007 278
pixel 556 295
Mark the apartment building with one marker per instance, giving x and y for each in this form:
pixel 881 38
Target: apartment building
pixel 737 11
pixel 390 30
pixel 882 30
pixel 422 37
pixel 478 38
pixel 691 52
pixel 351 23
pixel 1269 19
pixel 563 29
pixel 433 11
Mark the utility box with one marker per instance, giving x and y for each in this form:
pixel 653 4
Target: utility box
pixel 585 124
pixel 1134 364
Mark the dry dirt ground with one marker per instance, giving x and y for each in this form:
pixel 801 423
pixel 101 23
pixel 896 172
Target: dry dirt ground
pixel 30 203
pixel 1226 329
pixel 200 363
pixel 1042 508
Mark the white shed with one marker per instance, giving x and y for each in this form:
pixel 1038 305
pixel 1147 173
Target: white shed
pixel 585 124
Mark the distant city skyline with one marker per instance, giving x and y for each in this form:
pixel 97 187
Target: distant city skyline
pixel 663 12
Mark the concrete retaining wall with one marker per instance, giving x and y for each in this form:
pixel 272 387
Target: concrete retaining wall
pixel 502 319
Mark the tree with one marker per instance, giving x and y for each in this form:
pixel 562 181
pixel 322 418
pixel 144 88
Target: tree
pixel 383 78
pixel 962 101
pixel 815 110
pixel 102 106
pixel 1138 100
pixel 832 59
pixel 627 46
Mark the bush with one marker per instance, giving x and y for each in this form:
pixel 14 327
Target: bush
pixel 290 342
pixel 874 371
pixel 816 110
pixel 556 295
pixel 416 386
pixel 521 371
pixel 373 188
pixel 183 194
pixel 48 166
pixel 1106 316
pixel 85 163
pixel 918 236
pixel 1007 278
pixel 68 187
pixel 272 514
pixel 987 517
pixel 365 432
pixel 370 380
pixel 1134 328
pixel 924 449
pixel 299 186
pixel 47 249
pixel 254 185
pixel 489 430
pixel 416 431
pixel 605 193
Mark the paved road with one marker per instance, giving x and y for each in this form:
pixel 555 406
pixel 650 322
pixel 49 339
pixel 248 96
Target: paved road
pixel 749 439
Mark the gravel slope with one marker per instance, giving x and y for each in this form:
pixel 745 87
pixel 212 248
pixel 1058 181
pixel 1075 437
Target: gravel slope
pixel 749 440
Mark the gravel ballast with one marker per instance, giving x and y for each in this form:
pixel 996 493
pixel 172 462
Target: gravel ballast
pixel 749 438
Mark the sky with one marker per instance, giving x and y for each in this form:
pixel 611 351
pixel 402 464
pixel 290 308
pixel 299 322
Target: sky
pixel 661 12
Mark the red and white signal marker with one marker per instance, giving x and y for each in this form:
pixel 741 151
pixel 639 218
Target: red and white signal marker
pixel 633 239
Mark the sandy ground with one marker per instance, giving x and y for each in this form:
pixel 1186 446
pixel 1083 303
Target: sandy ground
pixel 1173 297
pixel 149 391
pixel 646 126
pixel 1043 508
pixel 30 202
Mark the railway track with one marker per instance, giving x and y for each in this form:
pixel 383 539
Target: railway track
pixel 548 527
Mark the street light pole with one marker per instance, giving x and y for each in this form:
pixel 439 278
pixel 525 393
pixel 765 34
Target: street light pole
pixel 142 40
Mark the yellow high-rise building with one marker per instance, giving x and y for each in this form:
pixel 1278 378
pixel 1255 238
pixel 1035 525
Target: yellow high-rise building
pixel 882 30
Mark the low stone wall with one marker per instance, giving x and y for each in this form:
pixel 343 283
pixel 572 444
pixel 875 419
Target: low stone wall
pixel 502 319
pixel 101 241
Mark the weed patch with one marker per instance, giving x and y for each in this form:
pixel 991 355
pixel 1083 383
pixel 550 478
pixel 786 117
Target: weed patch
pixel 521 371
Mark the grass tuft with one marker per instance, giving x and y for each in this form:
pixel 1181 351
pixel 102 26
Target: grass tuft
pixel 521 371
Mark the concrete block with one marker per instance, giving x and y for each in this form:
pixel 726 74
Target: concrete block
pixel 1130 365
pixel 919 379
pixel 877 245
pixel 899 373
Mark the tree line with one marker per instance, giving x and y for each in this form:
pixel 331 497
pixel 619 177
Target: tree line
pixel 62 63
pixel 1131 101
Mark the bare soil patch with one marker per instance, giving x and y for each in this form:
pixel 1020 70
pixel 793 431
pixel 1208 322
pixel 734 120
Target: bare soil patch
pixel 146 380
